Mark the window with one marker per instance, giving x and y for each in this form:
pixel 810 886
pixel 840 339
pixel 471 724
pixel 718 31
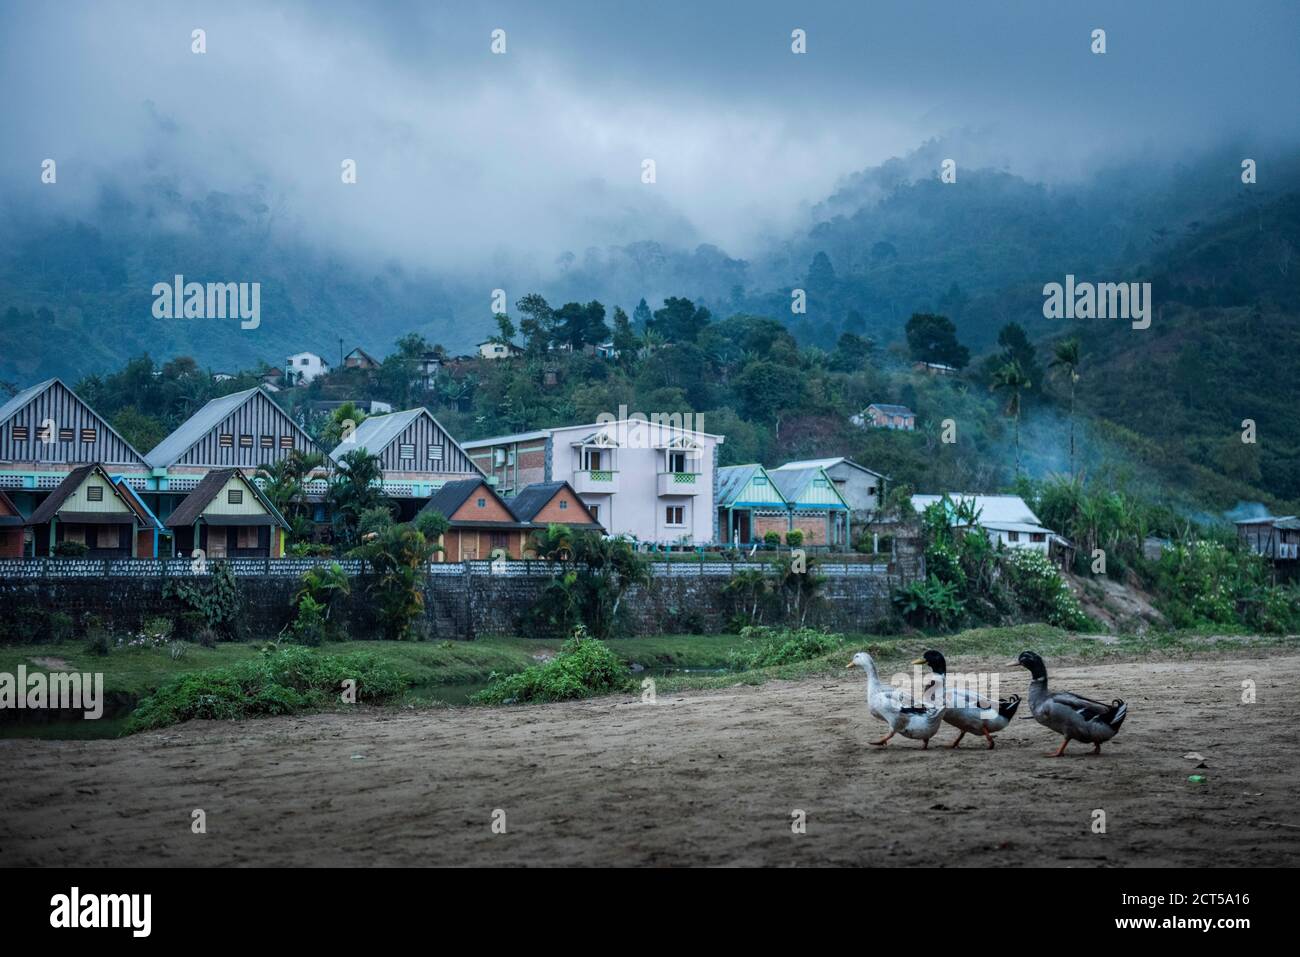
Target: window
pixel 435 453
pixel 226 440
pixel 1038 536
pixel 268 441
pixel 246 536
pixel 286 441
pixel 674 515
pixel 235 496
pixel 302 362
pixel 760 480
pixel 482 503
pixel 65 435
pixel 406 450
pixel 595 512
pixel 591 458
pixel 95 493
pixel 20 433
pixel 563 504
pixel 74 533
pixel 510 457
pixel 107 536
pixel 820 483
pixel 500 540
pixel 677 461
pixel 1013 536
pixel 88 435
pixel 245 441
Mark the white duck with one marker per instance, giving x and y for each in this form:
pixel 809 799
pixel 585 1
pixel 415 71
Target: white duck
pixel 896 708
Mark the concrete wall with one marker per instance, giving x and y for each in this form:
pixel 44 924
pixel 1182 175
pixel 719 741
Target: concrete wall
pixel 462 601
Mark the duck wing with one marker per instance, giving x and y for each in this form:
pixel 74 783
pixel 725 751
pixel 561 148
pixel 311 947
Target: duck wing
pixel 1086 708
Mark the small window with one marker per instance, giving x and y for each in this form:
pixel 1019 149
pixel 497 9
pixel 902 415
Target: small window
pixel 677 462
pixel 406 450
pixel 286 441
pixel 246 536
pixel 595 512
pixel 268 441
pixel 226 440
pixel 245 441
pixel 1038 536
pixel 87 435
pixel 820 483
pixel 1013 536
pixel 500 540
pixel 674 515
pixel 435 453
pixel 95 493
pixel 482 503
pixel 760 480
pixel 235 496
pixel 20 433
pixel 563 505
pixel 65 435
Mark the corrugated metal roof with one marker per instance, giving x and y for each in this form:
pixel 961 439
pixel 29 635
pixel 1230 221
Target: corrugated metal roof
pixel 166 452
pixel 996 511
pixel 734 485
pixel 891 409
pixel 375 432
pixel 796 487
pixel 22 398
pixel 826 464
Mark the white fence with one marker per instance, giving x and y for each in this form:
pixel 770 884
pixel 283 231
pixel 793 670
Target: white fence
pixel 59 568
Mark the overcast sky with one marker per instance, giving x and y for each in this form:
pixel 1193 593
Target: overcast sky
pixel 463 155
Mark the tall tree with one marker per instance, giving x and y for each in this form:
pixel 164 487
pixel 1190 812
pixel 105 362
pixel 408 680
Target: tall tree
pixel 537 324
pixel 933 338
pixel 680 320
pixel 1066 358
pixel 1012 380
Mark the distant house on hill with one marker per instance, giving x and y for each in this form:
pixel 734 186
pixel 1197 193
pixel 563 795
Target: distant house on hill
pixel 1006 519
pixel 360 359
pixel 302 367
pixel 880 415
pixel 1276 537
pixel 934 368
pixel 494 349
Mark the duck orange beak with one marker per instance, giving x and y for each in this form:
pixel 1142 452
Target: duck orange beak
pixel 919 661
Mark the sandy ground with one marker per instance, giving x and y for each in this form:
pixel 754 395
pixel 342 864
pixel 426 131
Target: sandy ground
pixel 706 778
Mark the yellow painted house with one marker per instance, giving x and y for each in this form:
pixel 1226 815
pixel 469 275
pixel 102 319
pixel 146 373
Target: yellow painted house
pixel 228 516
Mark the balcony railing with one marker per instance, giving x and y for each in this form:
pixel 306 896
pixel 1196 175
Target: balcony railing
pixel 595 481
pixel 680 483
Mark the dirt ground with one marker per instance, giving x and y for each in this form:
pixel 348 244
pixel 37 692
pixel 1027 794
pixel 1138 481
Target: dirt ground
pixel 705 778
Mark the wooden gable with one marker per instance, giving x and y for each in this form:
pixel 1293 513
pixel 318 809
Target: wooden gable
pixel 257 432
pixel 425 446
pixel 53 425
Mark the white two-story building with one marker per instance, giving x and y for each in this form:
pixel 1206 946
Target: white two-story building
pixel 651 480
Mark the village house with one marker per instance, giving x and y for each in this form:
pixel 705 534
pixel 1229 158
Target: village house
pixel 651 481
pixel 90 509
pixel 482 525
pixel 1276 537
pixel 427 369
pixel 495 349
pixel 243 430
pixel 227 516
pixel 862 488
pixel 934 368
pixel 553 503
pixel 302 367
pixel 749 505
pixel 883 416
pixel 816 507
pixel 1006 519
pixel 417 455
pixel 360 359
pixel 12 544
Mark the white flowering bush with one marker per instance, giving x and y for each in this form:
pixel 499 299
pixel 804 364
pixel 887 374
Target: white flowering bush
pixel 1041 591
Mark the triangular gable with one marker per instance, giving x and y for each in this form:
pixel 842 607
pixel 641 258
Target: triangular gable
pixel 48 422
pixel 210 502
pixel 410 441
pixel 241 430
pixel 88 490
pixel 598 440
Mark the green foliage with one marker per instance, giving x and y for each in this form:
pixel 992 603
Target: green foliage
pixel 590 586
pixel 583 667
pixel 71 550
pixel 317 602
pixel 766 646
pixel 772 539
pixel 210 601
pixel 932 338
pixel 98 640
pixel 930 603
pixel 355 490
pixel 1209 583
pixel 1041 591
pixel 794 537
pixel 281 681
pixel 431 524
pixel 398 556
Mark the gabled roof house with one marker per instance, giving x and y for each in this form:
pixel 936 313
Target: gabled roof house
pixel 92 509
pixel 749 505
pixel 228 516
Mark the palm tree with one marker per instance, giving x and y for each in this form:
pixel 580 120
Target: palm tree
pixel 1011 378
pixel 1067 360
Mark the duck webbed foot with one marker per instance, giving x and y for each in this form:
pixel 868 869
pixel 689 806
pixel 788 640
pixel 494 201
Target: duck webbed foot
pixel 958 741
pixel 885 740
pixel 988 737
pixel 1061 750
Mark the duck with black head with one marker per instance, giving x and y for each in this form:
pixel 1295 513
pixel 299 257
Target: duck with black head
pixel 1075 717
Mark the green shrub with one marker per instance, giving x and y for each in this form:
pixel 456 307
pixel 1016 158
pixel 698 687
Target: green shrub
pixel 1041 591
pixel 282 681
pixel 772 538
pixel 71 550
pixel 61 626
pixel 584 667
pixel 930 603
pixel 765 646
pixel 98 641
pixel 794 537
